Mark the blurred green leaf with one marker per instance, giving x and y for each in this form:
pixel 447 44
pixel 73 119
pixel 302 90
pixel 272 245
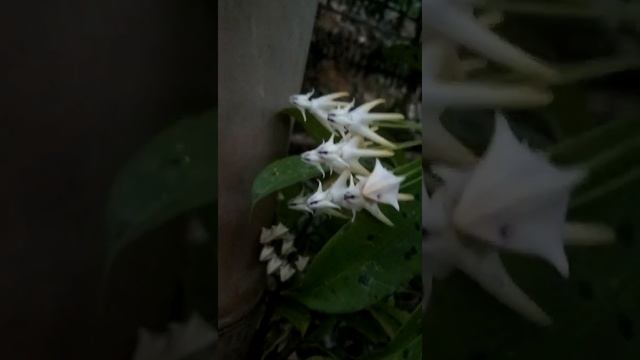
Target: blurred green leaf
pixel 281 174
pixel 359 265
pixel 175 172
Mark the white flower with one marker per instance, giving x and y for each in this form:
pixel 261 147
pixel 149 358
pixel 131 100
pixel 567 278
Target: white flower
pixel 352 149
pixel 443 249
pixel 328 153
pixel 350 197
pixel 286 272
pixel 359 120
pixel 312 157
pixel 319 107
pixel 180 341
pixel 299 203
pixel 321 200
pixel 343 155
pixel 267 253
pixel 515 199
pixel 301 262
pixel 382 186
pixel 356 200
pixel 275 232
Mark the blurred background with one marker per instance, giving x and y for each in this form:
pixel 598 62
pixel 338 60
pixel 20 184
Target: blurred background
pixel 85 85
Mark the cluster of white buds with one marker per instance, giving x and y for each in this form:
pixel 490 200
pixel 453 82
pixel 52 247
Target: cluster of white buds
pixel 286 261
pixel 512 200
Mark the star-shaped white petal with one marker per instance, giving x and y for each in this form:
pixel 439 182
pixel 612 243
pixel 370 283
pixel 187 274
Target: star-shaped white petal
pixel 515 199
pixel 382 186
pixel 275 232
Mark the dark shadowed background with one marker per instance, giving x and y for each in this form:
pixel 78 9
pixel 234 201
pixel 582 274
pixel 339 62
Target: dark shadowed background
pixel 83 84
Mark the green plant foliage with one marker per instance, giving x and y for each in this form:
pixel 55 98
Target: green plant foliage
pixel 360 264
pixel 174 173
pixel 281 174
pixel 295 313
pixel 389 317
pixel 407 344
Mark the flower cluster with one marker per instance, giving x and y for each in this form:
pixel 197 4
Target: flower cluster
pixel 363 192
pixel 355 188
pixel 285 261
pixel 340 117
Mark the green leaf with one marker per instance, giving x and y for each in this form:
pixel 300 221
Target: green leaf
pixel 568 114
pixel 592 143
pixel 367 325
pixel 311 126
pixel 281 174
pixel 407 344
pixel 390 318
pixel 365 261
pixel 174 173
pixel 295 313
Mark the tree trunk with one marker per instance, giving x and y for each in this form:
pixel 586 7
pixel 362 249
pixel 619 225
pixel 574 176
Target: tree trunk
pixel 263 47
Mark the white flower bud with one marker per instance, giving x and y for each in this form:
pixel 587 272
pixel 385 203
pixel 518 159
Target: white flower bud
pixel 301 262
pixel 275 232
pixel 267 253
pixel 286 272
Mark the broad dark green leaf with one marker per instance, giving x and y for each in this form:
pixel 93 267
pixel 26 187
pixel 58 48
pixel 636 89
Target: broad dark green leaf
pixel 365 261
pixel 407 344
pixel 174 173
pixel 390 318
pixel 368 326
pixel 281 174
